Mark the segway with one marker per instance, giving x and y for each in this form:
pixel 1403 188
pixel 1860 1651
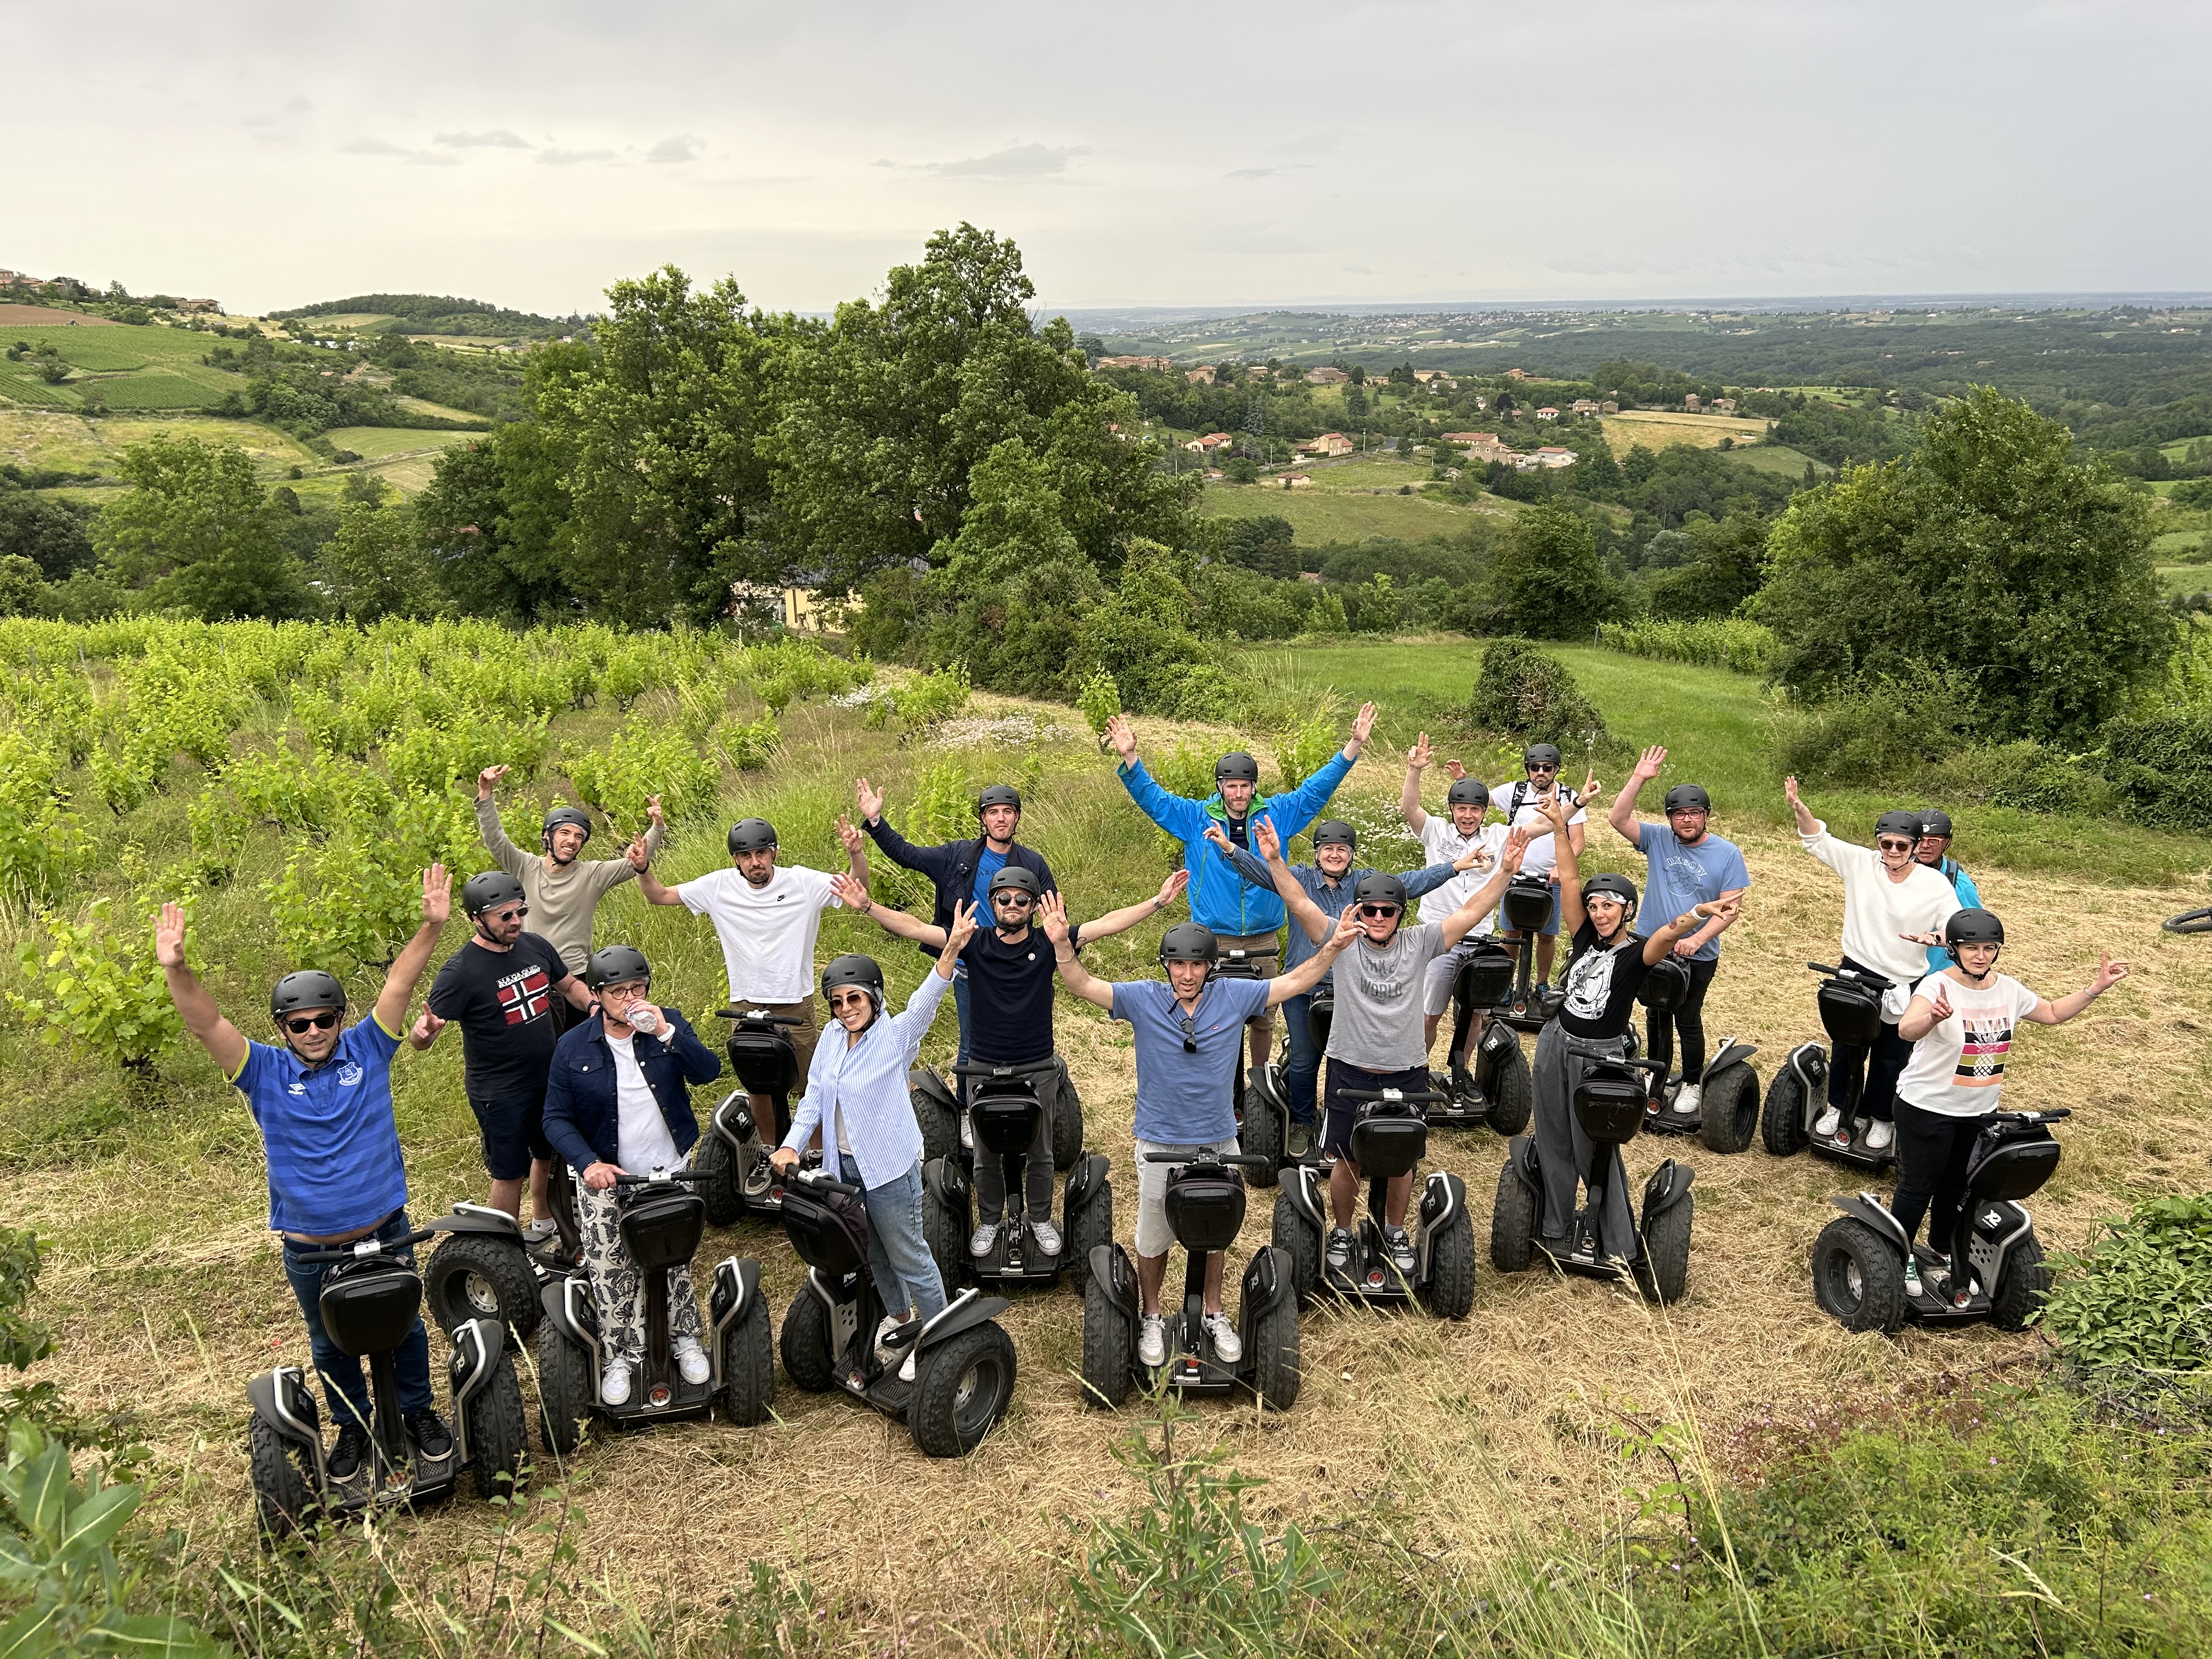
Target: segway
pixel 964 1358
pixel 1850 1011
pixel 1858 1260
pixel 946 1132
pixel 485 1269
pixel 1264 1127
pixel 1006 1113
pixel 663 1217
pixel 1608 1105
pixel 1529 1002
pixel 368 1304
pixel 1388 1138
pixel 1496 1090
pixel 1728 1105
pixel 1205 1212
pixel 731 1161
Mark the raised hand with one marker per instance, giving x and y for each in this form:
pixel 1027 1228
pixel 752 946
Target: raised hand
pixel 869 799
pixel 1171 889
pixel 437 896
pixel 1454 770
pixel 1555 810
pixel 1219 836
pixel 1418 756
pixel 850 893
pixel 1515 850
pixel 1270 844
pixel 851 835
pixel 486 779
pixel 425 1030
pixel 1790 792
pixel 1591 787
pixel 962 928
pixel 2109 972
pixel 1348 929
pixel 637 854
pixel 1051 916
pixel 1476 857
pixel 1939 1003
pixel 1648 762
pixel 1363 725
pixel 653 811
pixel 169 936
pixel 1123 736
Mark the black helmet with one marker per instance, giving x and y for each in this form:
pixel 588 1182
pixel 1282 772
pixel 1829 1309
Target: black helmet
pixel 1898 823
pixel 999 794
pixel 1689 797
pixel 617 964
pixel 1540 754
pixel 1377 888
pixel 1189 942
pixel 1013 876
pixel 1468 791
pixel 489 891
pixel 1935 823
pixel 751 836
pixel 1972 927
pixel 854 969
pixel 1237 767
pixel 559 816
pixel 1334 832
pixel 1618 887
pixel 311 987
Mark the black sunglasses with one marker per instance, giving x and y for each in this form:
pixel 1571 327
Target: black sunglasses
pixel 1190 1034
pixel 303 1024
pixel 1378 909
pixel 1014 896
pixel 511 912
pixel 1888 846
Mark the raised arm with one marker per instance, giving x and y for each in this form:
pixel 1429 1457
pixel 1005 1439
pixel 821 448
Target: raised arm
pixel 225 1043
pixel 1409 798
pixel 1363 727
pixel 1121 920
pixel 1051 916
pixel 1662 942
pixel 1296 899
pixel 854 895
pixel 856 849
pixel 1622 818
pixel 1807 825
pixel 896 848
pixel 640 859
pixel 2109 973
pixel 415 956
pixel 1482 901
pixel 1253 870
pixel 1308 974
pixel 504 853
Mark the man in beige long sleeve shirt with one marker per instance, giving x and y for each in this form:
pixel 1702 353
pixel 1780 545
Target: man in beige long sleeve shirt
pixel 562 888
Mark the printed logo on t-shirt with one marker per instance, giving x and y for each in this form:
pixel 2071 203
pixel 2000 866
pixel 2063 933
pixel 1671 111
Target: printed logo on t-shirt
pixel 1982 1055
pixel 525 996
pixel 1590 983
pixel 348 1074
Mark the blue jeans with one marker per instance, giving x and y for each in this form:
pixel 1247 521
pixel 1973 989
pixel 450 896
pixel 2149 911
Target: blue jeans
pixel 899 1258
pixel 345 1385
pixel 1303 1073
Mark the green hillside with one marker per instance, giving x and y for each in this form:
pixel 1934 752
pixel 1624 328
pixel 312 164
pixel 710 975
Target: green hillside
pixel 436 313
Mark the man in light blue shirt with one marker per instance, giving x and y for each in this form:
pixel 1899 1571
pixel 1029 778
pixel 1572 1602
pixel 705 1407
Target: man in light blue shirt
pixel 1933 850
pixel 1187 1051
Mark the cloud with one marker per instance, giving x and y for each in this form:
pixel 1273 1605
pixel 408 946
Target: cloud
pixel 499 139
pixel 1015 161
pixel 414 158
pixel 300 106
pixel 681 148
pixel 569 158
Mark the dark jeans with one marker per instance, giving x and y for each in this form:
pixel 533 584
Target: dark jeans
pixel 1863 1085
pixel 1303 1074
pixel 1932 1150
pixel 1689 1019
pixel 960 1007
pixel 345 1384
pixel 1037 1170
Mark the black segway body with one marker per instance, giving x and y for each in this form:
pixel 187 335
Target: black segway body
pixel 1492 1085
pixel 733 1154
pixel 1851 1011
pixel 1727 1113
pixel 1006 1115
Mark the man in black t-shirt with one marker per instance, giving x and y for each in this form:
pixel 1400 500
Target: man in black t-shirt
pixel 1011 968
pixel 502 987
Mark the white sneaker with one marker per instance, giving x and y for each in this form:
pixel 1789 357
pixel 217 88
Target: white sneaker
pixel 890 1322
pixel 614 1385
pixel 1828 1122
pixel 906 1370
pixel 1047 1237
pixel 1879 1137
pixel 984 1240
pixel 541 1230
pixel 1911 1275
pixel 691 1361
pixel 967 1132
pixel 1688 1097
pixel 1228 1348
pixel 1152 1341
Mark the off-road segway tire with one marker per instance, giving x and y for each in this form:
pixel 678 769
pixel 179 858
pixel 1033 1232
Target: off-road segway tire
pixel 284 1497
pixel 1301 1246
pixel 2026 1287
pixel 1450 1292
pixel 1260 1135
pixel 1782 1119
pixel 1275 1375
pixel 747 1368
pixel 1849 1250
pixel 1090 1226
pixel 482 1276
pixel 940 1129
pixel 499 1432
pixel 566 1388
pixel 1662 1271
pixel 1109 1345
pixel 805 1342
pixel 1512 1093
pixel 715 1161
pixel 945 1230
pixel 965 1385
pixel 1730 1109
pixel 1512 1224
pixel 1066 1122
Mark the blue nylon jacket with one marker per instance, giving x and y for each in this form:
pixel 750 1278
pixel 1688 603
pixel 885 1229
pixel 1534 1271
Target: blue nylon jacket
pixel 1220 898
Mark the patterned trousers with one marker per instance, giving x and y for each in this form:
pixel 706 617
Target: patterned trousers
pixel 617 1287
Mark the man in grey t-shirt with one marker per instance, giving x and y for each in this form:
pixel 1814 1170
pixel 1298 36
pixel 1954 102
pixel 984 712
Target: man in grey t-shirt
pixel 1375 1039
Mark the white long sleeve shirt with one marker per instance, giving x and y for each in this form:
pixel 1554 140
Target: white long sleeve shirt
pixel 862 1086
pixel 1876 909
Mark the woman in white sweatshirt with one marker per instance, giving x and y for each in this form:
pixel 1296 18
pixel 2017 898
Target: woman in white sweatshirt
pixel 1890 900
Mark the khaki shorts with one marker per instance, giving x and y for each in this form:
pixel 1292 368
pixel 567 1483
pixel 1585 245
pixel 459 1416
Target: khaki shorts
pixel 1154 1237
pixel 802 1037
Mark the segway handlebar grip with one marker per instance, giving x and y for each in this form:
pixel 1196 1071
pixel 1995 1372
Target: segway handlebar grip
pixel 659 1177
pixel 822 1180
pixel 1418 1095
pixel 985 1068
pixel 2047 1115
pixel 756 1017
pixel 366 1247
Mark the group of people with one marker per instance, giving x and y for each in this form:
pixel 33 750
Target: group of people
pixel 567 1054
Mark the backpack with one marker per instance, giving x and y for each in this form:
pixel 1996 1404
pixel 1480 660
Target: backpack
pixel 1523 792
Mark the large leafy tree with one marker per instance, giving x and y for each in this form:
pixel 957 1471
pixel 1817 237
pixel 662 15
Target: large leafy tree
pixel 1987 551
pixel 1547 581
pixel 198 534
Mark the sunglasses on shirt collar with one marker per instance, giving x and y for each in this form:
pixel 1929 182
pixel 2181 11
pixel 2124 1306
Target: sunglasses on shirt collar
pixel 1190 1034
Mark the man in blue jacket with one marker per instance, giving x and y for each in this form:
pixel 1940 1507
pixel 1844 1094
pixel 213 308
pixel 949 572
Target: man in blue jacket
pixel 618 1102
pixel 1933 850
pixel 961 870
pixel 1239 914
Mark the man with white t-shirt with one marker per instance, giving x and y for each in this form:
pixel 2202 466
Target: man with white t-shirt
pixel 1522 802
pixel 768 917
pixel 1459 834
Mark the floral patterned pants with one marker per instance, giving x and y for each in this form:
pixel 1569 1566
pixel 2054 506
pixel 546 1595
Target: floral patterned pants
pixel 617 1287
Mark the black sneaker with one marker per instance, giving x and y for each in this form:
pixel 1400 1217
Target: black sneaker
pixel 344 1460
pixel 431 1436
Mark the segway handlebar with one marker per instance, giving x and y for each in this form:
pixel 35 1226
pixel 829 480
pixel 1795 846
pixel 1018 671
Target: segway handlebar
pixel 758 1016
pixel 660 1177
pixel 1422 1095
pixel 363 1248
pixel 1865 976
pixel 1252 1160
pixel 821 1178
pixel 2049 1115
pixel 985 1068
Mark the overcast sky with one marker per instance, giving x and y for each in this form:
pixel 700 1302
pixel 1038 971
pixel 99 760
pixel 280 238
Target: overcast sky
pixel 1141 155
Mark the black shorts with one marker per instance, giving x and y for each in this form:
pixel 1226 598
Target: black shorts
pixel 514 1133
pixel 1336 1125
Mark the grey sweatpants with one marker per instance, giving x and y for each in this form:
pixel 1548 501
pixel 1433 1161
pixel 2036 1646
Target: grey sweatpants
pixel 1563 1150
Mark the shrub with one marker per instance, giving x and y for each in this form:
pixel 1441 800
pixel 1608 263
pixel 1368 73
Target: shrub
pixel 2162 768
pixel 1719 642
pixel 1880 729
pixel 1530 694
pixel 100 991
pixel 2141 1294
pixel 2024 774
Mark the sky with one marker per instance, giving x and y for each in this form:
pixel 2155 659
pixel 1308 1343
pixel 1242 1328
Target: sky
pixel 1140 154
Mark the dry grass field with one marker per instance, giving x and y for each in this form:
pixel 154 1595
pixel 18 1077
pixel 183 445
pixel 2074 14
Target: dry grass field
pixel 1660 428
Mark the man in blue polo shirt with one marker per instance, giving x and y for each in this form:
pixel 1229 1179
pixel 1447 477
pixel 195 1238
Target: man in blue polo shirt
pixel 323 1104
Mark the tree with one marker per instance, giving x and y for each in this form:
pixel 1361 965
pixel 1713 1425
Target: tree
pixel 1018 522
pixel 489 522
pixel 374 566
pixel 1548 581
pixel 50 533
pixel 1986 551
pixel 1727 561
pixel 199 534
pixel 1267 544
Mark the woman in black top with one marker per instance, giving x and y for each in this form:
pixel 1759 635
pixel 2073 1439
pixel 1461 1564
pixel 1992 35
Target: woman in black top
pixel 1604 973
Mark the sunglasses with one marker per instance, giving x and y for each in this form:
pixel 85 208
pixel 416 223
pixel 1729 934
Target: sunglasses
pixel 1020 901
pixel 1190 1034
pixel 1546 770
pixel 1889 846
pixel 512 913
pixel 305 1023
pixel 1378 909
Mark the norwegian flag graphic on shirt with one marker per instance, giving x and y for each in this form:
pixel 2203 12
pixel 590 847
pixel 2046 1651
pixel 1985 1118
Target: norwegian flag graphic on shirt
pixel 1982 1055
pixel 525 996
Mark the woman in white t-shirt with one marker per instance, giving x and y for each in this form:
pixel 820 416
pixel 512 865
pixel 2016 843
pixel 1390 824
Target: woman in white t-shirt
pixel 1961 1023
